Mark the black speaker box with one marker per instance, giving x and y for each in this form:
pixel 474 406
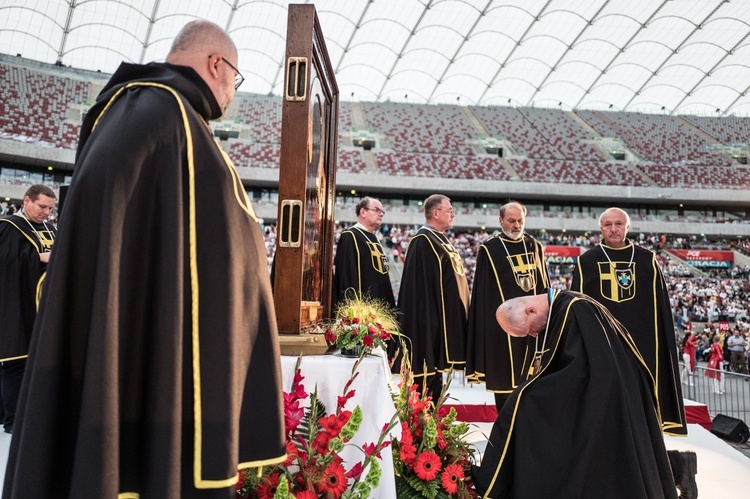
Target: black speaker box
pixel 730 428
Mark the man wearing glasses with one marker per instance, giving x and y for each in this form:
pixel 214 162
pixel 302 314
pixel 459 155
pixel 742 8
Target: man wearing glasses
pixel 360 265
pixel 154 366
pixel 434 299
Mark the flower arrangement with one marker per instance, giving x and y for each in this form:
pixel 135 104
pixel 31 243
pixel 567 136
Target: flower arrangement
pixel 314 468
pixel 431 459
pixel 362 322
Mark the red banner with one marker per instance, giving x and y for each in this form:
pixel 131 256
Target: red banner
pixel 562 254
pixel 706 258
pixel 703 255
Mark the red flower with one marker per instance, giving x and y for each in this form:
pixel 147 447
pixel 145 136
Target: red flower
pixel 330 335
pixel 332 424
pixel 334 482
pixel 267 488
pixel 293 415
pixel 241 479
pixel 320 445
pixel 291 453
pixel 372 330
pixel 355 320
pixel 408 450
pixel 428 466
pixel 356 471
pixel 451 476
pixel 368 341
pixel 305 494
pixel 341 401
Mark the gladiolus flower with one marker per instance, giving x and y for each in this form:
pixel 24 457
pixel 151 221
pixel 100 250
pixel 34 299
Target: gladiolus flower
pixel 451 476
pixel 356 471
pixel 321 442
pixel 428 466
pixel 291 453
pixel 332 424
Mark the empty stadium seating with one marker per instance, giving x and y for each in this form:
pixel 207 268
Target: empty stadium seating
pixel 36 103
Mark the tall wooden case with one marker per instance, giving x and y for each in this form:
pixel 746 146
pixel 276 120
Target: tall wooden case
pixel 307 180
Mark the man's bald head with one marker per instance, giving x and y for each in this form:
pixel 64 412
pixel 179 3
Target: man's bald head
pixel 524 315
pixel 205 47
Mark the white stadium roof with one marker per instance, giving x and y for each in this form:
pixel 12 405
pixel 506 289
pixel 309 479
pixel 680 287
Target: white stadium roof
pixel 663 56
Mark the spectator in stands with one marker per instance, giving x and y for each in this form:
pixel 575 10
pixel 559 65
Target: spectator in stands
pixel 627 280
pixel 154 369
pixel 508 265
pixel 26 240
pixel 689 346
pixel 361 265
pixel 434 299
pixel 736 345
pixel 716 365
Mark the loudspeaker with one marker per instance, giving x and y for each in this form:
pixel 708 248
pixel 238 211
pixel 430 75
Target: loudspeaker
pixel 730 429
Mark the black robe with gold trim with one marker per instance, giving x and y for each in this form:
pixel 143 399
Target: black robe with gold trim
pixel 154 368
pixel 433 301
pixel 637 297
pixel 20 273
pixel 361 266
pixel 494 357
pixel 585 424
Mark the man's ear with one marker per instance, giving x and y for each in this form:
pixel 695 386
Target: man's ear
pixel 213 66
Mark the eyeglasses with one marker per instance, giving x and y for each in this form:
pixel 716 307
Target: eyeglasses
pixel 450 210
pixel 376 210
pixel 238 78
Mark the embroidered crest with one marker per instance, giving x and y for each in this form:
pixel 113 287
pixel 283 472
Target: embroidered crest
pixel 456 261
pixel 523 266
pixel 379 260
pixel 617 281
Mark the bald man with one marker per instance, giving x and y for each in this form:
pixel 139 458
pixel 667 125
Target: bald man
pixel 583 422
pixel 628 281
pixel 154 364
pixel 509 265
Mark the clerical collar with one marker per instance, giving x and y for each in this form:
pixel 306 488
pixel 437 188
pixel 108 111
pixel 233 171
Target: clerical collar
pixel 362 227
pixel 632 252
pixel 50 234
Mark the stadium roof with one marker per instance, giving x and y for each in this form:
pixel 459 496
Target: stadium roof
pixel 663 56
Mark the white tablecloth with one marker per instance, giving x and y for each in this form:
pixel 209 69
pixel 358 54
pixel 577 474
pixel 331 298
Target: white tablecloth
pixel 372 395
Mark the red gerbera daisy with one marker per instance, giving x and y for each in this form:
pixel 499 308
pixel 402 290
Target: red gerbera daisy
pixel 428 466
pixel 267 488
pixel 305 494
pixel 451 476
pixel 334 482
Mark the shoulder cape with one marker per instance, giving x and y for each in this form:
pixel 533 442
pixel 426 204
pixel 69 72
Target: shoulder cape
pixel 494 357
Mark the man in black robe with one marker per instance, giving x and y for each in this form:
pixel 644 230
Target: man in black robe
pixel 434 299
pixel 26 240
pixel 585 423
pixel 154 365
pixel 628 281
pixel 509 265
pixel 361 266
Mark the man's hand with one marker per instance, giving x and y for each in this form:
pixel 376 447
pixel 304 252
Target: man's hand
pixel 44 257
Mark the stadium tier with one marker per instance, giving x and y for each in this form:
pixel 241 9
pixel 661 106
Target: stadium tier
pixel 44 104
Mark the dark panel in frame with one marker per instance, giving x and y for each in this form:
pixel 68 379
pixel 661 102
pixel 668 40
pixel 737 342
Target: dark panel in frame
pixel 307 177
